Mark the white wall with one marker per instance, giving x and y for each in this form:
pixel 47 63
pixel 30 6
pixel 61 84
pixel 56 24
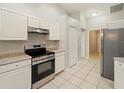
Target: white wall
pixel 75 16
pixel 83 20
pixel 117 16
pixel 48 11
pixel 97 22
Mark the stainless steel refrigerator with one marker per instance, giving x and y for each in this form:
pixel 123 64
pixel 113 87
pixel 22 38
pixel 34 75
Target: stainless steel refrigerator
pixel 112 45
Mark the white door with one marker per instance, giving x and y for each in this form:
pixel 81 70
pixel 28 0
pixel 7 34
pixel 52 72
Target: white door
pixel 83 44
pixel 73 45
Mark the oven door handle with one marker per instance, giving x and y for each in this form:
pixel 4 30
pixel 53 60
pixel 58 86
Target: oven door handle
pixel 38 62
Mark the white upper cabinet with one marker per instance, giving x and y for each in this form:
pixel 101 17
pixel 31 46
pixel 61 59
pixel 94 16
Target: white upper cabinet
pixel 54 31
pixel 33 22
pixel 44 24
pixel 37 22
pixel 13 25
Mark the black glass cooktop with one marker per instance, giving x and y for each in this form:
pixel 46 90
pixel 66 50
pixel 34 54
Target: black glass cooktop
pixel 38 52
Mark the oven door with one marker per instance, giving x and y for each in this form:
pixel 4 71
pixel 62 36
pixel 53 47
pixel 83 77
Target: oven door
pixel 42 70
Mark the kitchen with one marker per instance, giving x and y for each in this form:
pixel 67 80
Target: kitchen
pixel 18 41
pixel 41 43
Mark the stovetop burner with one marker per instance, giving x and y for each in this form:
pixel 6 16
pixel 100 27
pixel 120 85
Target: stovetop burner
pixel 37 52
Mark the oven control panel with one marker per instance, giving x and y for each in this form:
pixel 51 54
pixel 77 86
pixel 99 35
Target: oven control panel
pixel 42 58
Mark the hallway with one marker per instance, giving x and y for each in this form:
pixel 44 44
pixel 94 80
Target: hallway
pixel 94 45
pixel 95 56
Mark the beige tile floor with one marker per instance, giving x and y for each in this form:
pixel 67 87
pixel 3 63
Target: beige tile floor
pixel 84 75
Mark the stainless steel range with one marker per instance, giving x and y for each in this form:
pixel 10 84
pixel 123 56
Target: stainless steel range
pixel 43 65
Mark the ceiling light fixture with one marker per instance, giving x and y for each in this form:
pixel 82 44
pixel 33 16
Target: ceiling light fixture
pixel 94 14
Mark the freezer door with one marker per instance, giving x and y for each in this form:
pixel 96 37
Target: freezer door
pixel 113 46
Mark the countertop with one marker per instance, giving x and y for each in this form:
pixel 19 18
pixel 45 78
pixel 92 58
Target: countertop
pixel 13 57
pixel 120 59
pixel 56 50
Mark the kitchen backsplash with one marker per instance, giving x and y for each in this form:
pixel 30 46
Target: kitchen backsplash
pixel 54 44
pixel 33 38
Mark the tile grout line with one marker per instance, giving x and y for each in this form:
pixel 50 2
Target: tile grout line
pixel 73 84
pixel 61 84
pixel 92 68
pixel 54 84
pixel 69 81
pixel 71 76
pixel 99 82
pixel 86 75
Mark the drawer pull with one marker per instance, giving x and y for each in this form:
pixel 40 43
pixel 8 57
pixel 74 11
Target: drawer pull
pixel 17 65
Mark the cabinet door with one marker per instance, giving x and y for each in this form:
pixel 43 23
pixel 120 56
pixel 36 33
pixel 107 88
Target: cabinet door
pixel 44 24
pixel 16 79
pixel 13 26
pixel 59 63
pixel 33 22
pixel 54 31
pixel 118 75
pixel 119 80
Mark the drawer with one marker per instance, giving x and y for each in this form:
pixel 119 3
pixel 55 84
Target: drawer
pixel 59 53
pixel 15 65
pixel 119 66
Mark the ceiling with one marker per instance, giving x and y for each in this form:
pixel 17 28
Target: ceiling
pixel 87 8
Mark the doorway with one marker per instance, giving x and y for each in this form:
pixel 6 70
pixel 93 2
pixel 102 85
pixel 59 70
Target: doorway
pixel 94 45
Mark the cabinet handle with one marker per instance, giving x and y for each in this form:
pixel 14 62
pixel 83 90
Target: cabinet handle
pixel 17 65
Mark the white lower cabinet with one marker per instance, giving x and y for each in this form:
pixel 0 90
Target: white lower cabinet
pixel 118 75
pixel 59 62
pixel 18 78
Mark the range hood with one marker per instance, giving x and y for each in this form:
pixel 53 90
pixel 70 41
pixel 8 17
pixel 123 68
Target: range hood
pixel 38 30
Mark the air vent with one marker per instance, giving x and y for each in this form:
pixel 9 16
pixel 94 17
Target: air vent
pixel 116 8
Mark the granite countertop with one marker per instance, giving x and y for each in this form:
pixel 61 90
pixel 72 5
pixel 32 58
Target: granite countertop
pixel 120 59
pixel 56 50
pixel 13 57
